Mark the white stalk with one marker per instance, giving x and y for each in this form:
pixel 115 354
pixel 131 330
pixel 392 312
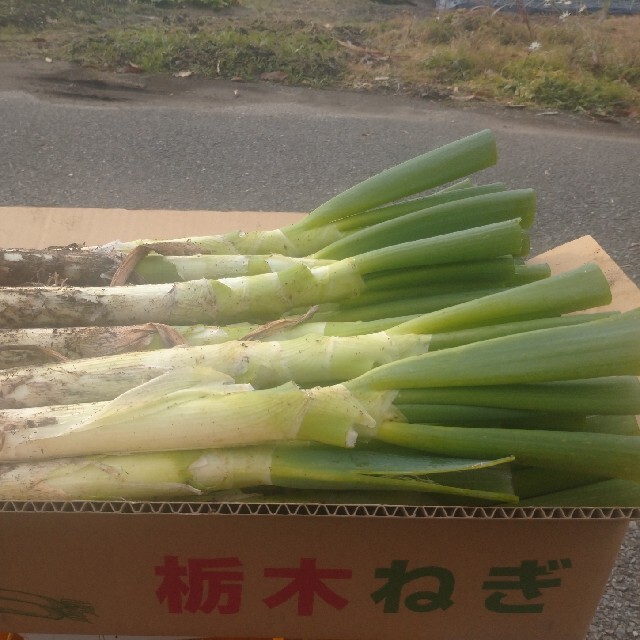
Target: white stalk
pixel 140 477
pixel 308 360
pixel 194 409
pixel 249 298
pixel 232 468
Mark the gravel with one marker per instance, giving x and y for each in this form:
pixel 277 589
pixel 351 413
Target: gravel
pixel 618 615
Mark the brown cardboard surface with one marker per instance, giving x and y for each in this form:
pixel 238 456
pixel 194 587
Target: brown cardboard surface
pixel 41 227
pixel 430 570
pixel 626 294
pixel 110 562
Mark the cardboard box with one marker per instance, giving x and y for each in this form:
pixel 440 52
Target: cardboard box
pixel 297 571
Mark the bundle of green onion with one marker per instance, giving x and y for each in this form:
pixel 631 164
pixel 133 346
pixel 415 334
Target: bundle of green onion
pixel 384 345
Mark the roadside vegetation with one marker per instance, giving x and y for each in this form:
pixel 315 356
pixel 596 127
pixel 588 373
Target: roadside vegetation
pixel 579 63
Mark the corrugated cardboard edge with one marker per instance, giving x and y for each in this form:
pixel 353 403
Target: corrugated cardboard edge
pixel 323 510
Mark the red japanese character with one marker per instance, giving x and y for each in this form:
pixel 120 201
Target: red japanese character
pixel 307 581
pixel 172 588
pixel 211 584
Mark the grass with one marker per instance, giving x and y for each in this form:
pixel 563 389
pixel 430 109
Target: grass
pixel 300 54
pixel 580 63
pixel 576 63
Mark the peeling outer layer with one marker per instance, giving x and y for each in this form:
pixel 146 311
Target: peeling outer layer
pixel 206 415
pixel 81 342
pixel 55 267
pixel 227 469
pixel 148 476
pixel 254 298
pixel 365 410
pixel 181 303
pixel 52 385
pixel 149 423
pixel 262 364
pixel 270 295
pixel 14 355
pixel 237 242
pixel 13 421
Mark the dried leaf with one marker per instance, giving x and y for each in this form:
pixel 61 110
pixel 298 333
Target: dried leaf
pixel 278 325
pixel 129 264
pixel 51 354
pixel 275 76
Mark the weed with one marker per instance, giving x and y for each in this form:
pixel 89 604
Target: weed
pixel 562 92
pixel 448 67
pixel 38 14
pixel 441 31
pixel 305 55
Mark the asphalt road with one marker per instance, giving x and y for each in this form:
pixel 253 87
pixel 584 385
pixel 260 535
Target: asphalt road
pixel 75 138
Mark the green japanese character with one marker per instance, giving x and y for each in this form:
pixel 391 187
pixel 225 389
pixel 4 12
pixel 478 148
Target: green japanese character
pixel 397 577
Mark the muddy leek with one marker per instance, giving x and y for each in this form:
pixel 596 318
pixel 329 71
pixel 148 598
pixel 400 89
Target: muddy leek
pixel 194 409
pixel 320 467
pixel 308 360
pixel 273 362
pixel 251 298
pixel 87 342
pixel 434 217
pixel 186 474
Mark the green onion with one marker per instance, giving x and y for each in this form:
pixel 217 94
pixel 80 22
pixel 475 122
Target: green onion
pixel 322 467
pixel 403 306
pixel 184 474
pixel 441 219
pixel 618 395
pixel 382 214
pixel 430 357
pixel 257 362
pixel 253 298
pixel 529 482
pixel 498 417
pixel 309 360
pixel 622 425
pixel 608 347
pixel 194 409
pixel 475 334
pixel 520 303
pixel 495 270
pixel 607 493
pixel 448 163
pixel 598 454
